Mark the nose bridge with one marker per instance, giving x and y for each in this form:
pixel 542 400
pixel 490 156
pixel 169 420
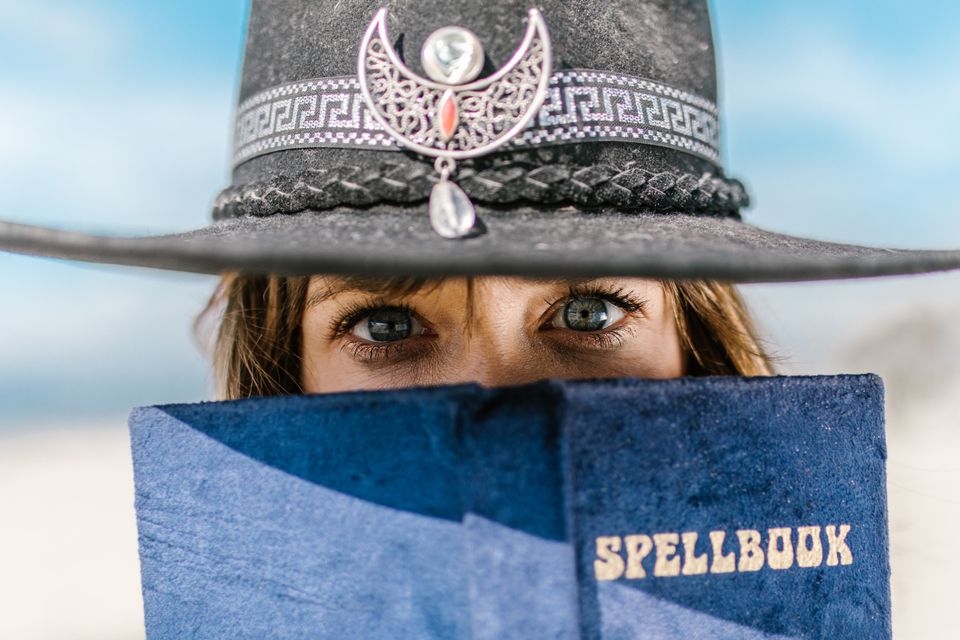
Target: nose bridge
pixel 495 348
pixel 494 342
pixel 492 364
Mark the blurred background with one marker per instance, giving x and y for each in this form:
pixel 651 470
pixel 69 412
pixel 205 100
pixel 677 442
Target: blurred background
pixel 842 117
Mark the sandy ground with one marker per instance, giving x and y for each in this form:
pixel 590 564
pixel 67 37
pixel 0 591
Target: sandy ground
pixel 924 493
pixel 68 539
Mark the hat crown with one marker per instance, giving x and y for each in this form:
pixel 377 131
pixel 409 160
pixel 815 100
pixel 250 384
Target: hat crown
pixel 609 102
pixel 668 41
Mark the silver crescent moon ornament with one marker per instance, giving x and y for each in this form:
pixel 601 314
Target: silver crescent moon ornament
pixel 452 116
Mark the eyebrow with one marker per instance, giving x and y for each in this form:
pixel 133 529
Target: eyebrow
pixel 407 286
pixel 336 285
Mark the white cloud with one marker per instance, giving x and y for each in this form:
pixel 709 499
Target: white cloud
pixel 86 145
pixel 907 113
pixel 135 161
pixel 844 141
pixel 61 28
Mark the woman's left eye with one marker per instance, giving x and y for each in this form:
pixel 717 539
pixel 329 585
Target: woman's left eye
pixel 587 314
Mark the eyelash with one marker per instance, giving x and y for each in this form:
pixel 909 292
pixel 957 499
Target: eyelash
pixel 361 350
pixel 353 313
pixel 375 352
pixel 629 303
pixel 605 339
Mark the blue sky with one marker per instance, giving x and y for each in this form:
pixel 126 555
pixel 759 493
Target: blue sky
pixel 841 110
pixel 841 117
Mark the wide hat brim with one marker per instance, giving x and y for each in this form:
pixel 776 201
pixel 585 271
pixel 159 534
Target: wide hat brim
pixel 301 53
pixel 389 241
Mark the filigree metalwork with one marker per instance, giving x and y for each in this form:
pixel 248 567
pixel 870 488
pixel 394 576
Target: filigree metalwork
pixel 490 111
pixel 453 121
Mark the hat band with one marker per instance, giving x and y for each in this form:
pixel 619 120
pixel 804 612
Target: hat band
pixel 581 105
pixel 628 188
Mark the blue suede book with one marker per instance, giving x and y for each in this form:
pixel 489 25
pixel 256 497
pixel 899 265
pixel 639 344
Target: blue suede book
pixel 716 508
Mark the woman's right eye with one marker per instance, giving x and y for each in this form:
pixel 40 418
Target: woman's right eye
pixel 387 325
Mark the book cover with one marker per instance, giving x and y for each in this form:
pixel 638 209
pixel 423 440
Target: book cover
pixel 725 508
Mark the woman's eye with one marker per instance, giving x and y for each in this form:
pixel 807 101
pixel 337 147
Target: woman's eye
pixel 387 325
pixel 587 314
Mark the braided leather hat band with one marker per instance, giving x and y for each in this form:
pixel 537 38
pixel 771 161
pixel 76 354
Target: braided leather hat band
pixel 630 188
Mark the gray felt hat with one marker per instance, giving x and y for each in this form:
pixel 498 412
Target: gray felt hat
pixel 566 138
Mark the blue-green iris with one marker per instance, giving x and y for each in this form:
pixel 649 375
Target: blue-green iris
pixel 586 314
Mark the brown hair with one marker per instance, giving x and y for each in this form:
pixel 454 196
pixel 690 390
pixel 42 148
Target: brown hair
pixel 257 346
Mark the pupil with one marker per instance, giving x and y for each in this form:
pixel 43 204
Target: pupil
pixel 586 314
pixel 389 325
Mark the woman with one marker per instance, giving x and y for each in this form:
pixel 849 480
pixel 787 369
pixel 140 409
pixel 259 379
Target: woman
pixel 325 334
pixel 505 212
pixel 588 160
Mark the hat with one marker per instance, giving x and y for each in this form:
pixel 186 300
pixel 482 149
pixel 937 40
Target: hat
pixel 453 138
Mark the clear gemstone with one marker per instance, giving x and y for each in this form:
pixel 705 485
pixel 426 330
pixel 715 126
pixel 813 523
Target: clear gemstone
pixel 452 55
pixel 451 212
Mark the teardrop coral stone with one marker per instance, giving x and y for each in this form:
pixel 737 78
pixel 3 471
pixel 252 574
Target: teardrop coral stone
pixel 449 118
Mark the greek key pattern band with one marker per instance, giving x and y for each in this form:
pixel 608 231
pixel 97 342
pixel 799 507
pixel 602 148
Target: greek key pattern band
pixel 582 105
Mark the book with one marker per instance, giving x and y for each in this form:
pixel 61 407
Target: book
pixel 731 508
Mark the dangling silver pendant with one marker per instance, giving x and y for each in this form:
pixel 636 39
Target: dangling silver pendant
pixel 452 215
pixel 451 115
